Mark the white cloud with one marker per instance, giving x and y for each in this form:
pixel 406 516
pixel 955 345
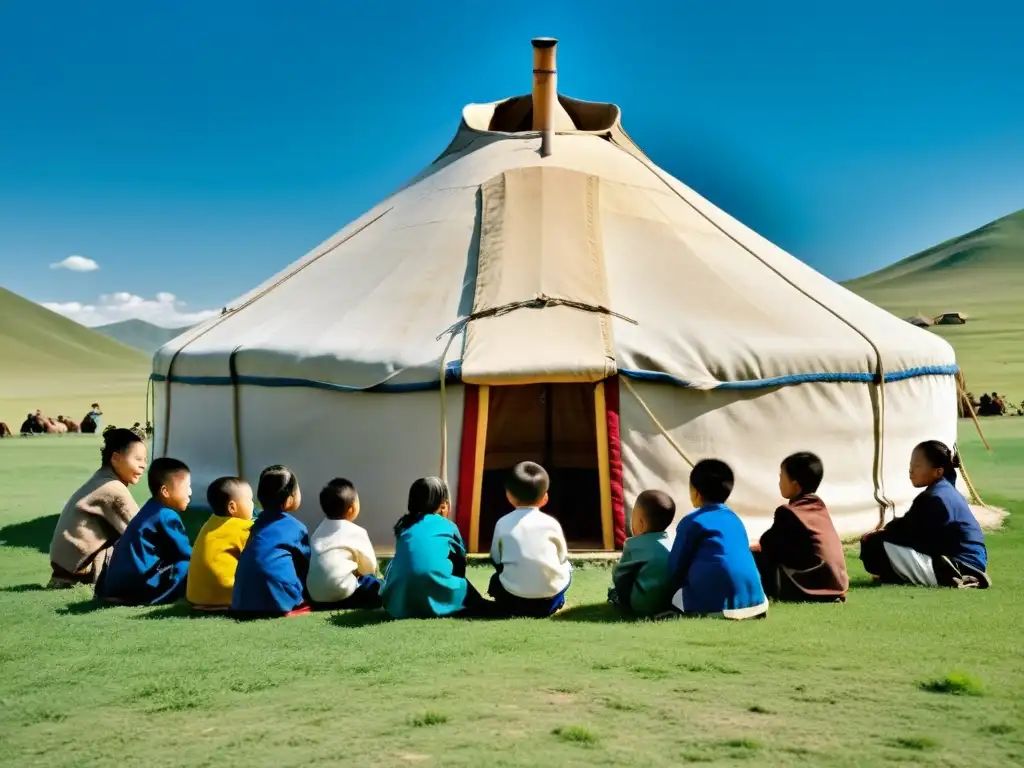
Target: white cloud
pixel 164 310
pixel 76 264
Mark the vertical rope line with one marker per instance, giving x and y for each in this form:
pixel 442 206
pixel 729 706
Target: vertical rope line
pixel 444 409
pixel 236 407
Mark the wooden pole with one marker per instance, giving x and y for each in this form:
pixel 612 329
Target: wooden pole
pixel 545 90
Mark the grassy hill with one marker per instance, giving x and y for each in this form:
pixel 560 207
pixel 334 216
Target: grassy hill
pixel 139 334
pixel 53 363
pixel 980 273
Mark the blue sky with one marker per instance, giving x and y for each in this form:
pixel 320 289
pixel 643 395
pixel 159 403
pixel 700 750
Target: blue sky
pixel 191 149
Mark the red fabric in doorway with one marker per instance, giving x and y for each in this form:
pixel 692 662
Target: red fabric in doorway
pixel 611 406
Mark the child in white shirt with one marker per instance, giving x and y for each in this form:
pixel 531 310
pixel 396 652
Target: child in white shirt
pixel 529 549
pixel 342 564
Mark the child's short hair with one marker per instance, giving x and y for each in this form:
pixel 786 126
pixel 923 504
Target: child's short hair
pixel 805 469
pixel 713 480
pixel 221 492
pixel 527 482
pixel 337 497
pixel 277 484
pixel 161 471
pixel 658 507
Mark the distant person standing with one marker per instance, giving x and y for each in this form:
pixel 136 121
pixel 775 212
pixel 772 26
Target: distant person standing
pixel 91 422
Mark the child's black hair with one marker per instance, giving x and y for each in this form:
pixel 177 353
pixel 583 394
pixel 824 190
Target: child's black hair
pixel 117 440
pixel 941 457
pixel 805 469
pixel 161 471
pixel 337 497
pixel 426 496
pixel 658 507
pixel 222 491
pixel 713 480
pixel 277 484
pixel 527 482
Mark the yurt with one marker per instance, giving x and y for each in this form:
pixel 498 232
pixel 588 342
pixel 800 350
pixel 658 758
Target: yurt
pixel 544 291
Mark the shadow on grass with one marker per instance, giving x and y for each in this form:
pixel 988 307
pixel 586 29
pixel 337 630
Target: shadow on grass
pixel 181 610
pixel 594 613
pixel 24 588
pixel 356 619
pixel 30 534
pixel 84 607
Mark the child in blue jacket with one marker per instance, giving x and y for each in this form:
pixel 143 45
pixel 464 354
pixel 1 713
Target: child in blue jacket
pixel 712 570
pixel 271 575
pixel 149 564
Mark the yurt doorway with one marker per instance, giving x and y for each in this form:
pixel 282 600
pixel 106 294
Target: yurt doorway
pixel 556 426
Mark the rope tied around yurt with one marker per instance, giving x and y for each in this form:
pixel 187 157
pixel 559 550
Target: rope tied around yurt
pixel 540 301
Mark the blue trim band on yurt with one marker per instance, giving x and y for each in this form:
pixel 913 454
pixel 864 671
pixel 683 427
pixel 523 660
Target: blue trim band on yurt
pixel 453 374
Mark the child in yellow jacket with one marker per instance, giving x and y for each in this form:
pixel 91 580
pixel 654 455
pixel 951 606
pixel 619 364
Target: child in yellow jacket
pixel 211 576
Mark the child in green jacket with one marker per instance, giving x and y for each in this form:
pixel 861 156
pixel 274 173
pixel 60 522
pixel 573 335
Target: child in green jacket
pixel 640 581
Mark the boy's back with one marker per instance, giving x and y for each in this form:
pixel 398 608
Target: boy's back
pixel 712 563
pixel 150 559
pixel 804 542
pixel 215 556
pixel 641 577
pixel 340 552
pixel 272 569
pixel 530 549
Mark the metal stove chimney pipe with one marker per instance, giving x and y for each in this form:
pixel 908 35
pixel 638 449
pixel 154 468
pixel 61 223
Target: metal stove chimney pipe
pixel 545 90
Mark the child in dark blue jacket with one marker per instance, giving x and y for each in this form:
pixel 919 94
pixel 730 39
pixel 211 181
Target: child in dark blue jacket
pixel 938 542
pixel 149 564
pixel 271 575
pixel 713 572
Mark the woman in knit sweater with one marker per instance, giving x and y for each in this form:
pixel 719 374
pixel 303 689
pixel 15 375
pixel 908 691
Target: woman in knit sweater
pixel 97 513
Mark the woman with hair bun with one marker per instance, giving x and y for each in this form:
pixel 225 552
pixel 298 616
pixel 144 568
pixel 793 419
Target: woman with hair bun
pixel 938 543
pixel 97 513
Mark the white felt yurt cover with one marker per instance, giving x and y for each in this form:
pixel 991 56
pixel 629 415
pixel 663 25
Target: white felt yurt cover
pixel 737 349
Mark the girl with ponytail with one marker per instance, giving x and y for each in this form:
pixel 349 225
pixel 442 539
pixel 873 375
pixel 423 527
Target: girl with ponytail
pixel 97 513
pixel 427 577
pixel 938 542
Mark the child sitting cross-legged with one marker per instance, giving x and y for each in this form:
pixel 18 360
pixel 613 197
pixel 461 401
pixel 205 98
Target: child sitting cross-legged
pixel 711 564
pixel 427 576
pixel 211 576
pixel 271 576
pixel 640 581
pixel 529 549
pixel 800 556
pixel 149 564
pixel 342 565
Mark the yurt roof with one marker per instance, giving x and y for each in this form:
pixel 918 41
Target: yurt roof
pixel 572 266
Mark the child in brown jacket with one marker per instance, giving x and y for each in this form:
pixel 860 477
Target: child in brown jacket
pixel 800 557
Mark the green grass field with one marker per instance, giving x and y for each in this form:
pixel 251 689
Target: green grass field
pixel 980 273
pixel 926 677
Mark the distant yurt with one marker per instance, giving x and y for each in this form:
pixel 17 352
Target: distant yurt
pixel 951 318
pixel 920 321
pixel 544 291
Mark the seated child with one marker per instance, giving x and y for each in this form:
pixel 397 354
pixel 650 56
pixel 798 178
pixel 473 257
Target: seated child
pixel 938 542
pixel 149 564
pixel 711 563
pixel 801 557
pixel 529 549
pixel 211 576
pixel 640 581
pixel 342 564
pixel 427 576
pixel 97 514
pixel 271 576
